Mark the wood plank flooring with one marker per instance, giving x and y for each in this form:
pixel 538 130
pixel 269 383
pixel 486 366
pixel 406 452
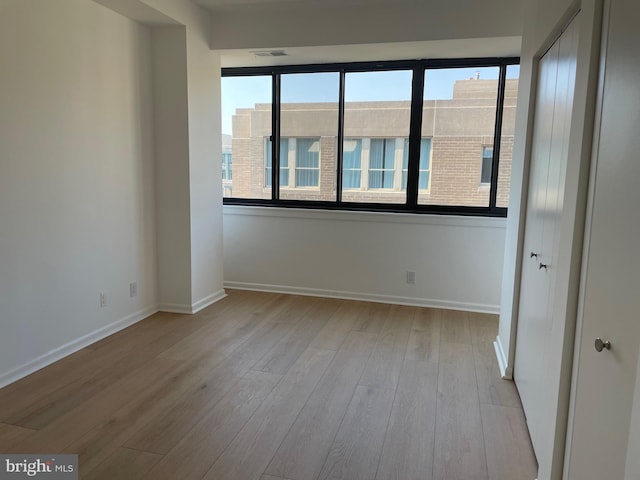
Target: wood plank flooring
pixel 265 386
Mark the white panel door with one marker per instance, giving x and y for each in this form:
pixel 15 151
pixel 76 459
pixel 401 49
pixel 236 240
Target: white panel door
pixel 534 286
pixel 534 358
pixel 605 382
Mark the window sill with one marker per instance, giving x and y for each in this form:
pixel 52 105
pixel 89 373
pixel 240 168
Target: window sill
pixel 370 217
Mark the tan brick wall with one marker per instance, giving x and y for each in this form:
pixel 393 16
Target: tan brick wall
pixel 455 172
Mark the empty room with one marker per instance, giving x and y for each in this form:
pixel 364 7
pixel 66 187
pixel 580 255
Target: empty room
pixel 319 239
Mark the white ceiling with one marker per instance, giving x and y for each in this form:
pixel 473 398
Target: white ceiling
pixel 244 12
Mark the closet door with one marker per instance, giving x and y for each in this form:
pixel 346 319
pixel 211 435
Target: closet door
pixel 534 285
pixel 549 155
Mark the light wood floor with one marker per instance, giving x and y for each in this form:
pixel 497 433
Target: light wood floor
pixel 269 387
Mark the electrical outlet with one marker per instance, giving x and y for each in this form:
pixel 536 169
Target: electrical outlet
pixel 411 277
pixel 103 299
pixel 133 289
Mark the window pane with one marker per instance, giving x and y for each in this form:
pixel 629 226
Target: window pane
pixel 309 119
pixel 382 163
pixel 487 164
pixel 284 162
pixel 459 115
pixel 227 166
pixel 377 113
pixel 352 153
pixel 246 122
pixel 351 163
pixel 307 162
pixel 506 139
pixel 425 164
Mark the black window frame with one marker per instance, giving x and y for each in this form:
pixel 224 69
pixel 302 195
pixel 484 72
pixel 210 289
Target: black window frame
pixel 418 67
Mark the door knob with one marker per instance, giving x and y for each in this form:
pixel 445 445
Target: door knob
pixel 602 344
pixel 543 265
pixel 533 255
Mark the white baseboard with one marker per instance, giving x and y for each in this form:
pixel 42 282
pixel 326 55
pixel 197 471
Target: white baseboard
pixel 195 307
pixel 506 371
pixel 175 308
pixel 367 297
pixel 208 300
pixel 73 346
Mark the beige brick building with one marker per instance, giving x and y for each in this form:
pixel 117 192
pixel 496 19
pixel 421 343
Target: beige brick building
pixel 455 157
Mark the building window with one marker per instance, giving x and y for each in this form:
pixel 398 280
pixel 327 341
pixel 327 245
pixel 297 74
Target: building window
pixel 400 136
pixel 382 158
pixel 487 162
pixel 352 164
pixel 307 162
pixel 284 162
pixel 227 171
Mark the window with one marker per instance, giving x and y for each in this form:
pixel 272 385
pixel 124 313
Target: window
pixel 226 167
pixel 382 158
pixel 246 117
pixel 309 119
pixel 506 135
pixel 377 109
pixel 487 161
pixel 410 136
pixel 284 162
pixel 307 162
pixel 460 107
pixel 351 164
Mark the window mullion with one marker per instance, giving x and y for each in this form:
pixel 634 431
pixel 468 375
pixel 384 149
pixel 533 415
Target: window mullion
pixel 497 133
pixel 340 150
pixel 275 138
pixel 415 133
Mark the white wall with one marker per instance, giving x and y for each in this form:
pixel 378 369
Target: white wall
pixel 205 169
pixel 457 260
pixel 203 165
pixel 171 126
pixel 290 24
pixel 76 178
pixel 187 117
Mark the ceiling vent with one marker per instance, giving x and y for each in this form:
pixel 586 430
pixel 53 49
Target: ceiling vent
pixel 269 53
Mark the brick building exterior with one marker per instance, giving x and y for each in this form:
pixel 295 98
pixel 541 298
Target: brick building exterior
pixel 457 141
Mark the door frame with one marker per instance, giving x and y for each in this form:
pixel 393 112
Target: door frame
pixel 587 229
pixel 580 317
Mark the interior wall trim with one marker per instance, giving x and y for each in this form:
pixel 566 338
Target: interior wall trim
pixel 366 297
pixel 506 371
pixel 195 307
pixel 73 346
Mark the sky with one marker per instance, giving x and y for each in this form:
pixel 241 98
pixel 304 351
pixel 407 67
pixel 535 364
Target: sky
pixel 245 92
